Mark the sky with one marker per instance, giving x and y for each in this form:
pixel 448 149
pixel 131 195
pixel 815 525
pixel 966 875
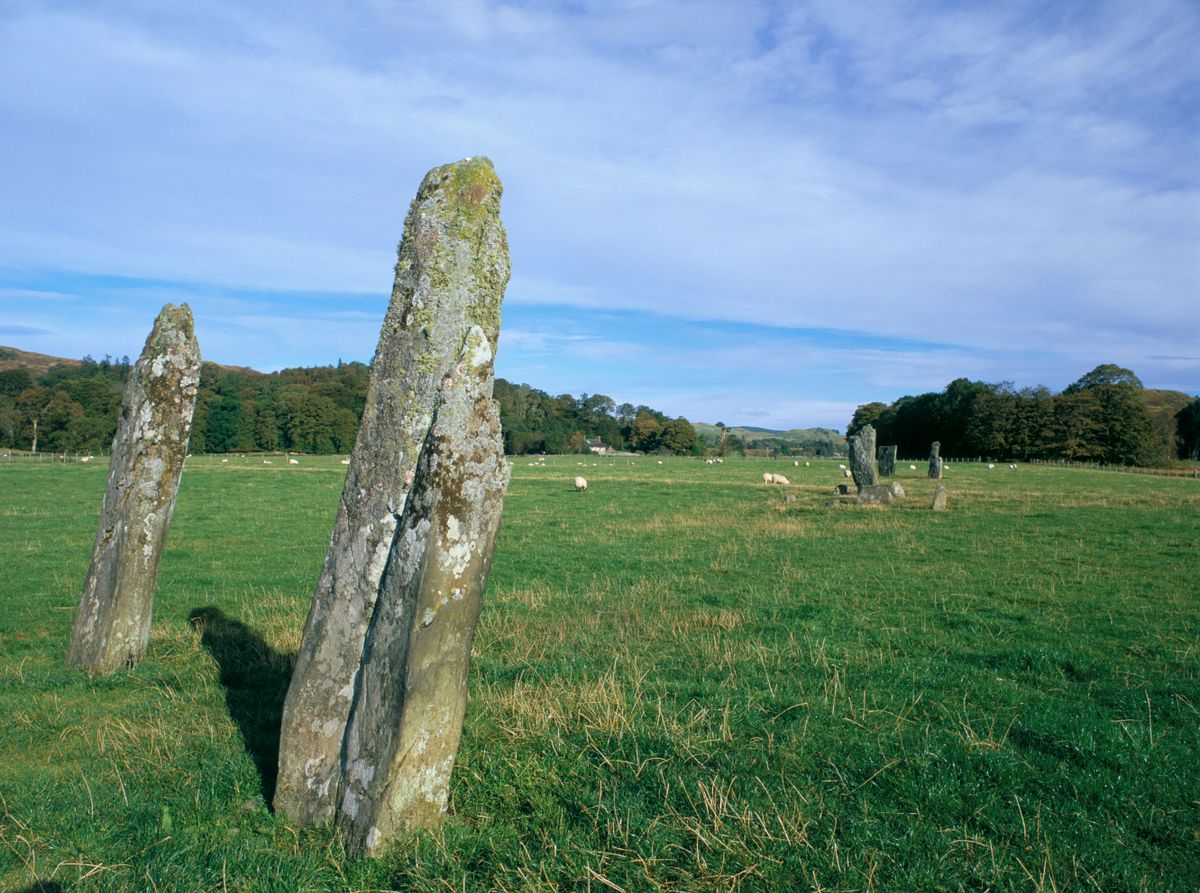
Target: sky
pixel 756 212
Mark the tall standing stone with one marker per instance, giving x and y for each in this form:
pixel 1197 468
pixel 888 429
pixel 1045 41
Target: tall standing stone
pixel 112 625
pixel 862 458
pixel 887 461
pixel 935 460
pixel 939 498
pixel 451 273
pixel 407 716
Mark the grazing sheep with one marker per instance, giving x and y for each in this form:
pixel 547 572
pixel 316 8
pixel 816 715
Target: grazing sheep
pixel 912 468
pixel 796 462
pixel 87 458
pixel 293 461
pixel 708 461
pixel 842 467
pixel 806 465
pixel 991 466
pixel 224 460
pixel 772 478
pixel 1012 466
pixel 580 483
pixel 266 461
pixel 345 461
pixel 846 473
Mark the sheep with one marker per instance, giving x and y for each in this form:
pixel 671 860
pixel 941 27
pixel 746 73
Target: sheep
pixel 720 461
pixel 846 473
pixel 806 465
pixel 660 461
pixel 991 466
pixel 293 461
pixel 345 461
pixel 266 461
pixel 87 458
pixel 912 468
pixel 224 461
pixel 1012 467
pixel 796 462
pixel 580 483
pixel 708 461
pixel 842 467
pixel 772 478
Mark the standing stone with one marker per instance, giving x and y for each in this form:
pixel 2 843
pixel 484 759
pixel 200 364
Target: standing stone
pixel 875 494
pixel 887 461
pixel 935 460
pixel 112 625
pixel 939 498
pixel 407 716
pixel 862 458
pixel 451 273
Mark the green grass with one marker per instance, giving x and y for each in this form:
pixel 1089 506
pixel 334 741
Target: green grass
pixel 680 682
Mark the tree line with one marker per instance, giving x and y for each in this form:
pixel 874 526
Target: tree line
pixel 1107 416
pixel 75 408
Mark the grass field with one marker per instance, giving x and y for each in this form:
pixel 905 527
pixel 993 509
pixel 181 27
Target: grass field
pixel 680 683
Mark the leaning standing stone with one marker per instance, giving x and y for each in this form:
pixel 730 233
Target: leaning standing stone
pixel 862 458
pixel 407 716
pixel 452 270
pixel 939 498
pixel 112 625
pixel 887 461
pixel 935 460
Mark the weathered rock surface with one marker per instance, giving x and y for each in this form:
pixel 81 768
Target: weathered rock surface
pixel 112 625
pixel 887 461
pixel 451 273
pixel 939 498
pixel 875 494
pixel 896 489
pixel 935 460
pixel 407 716
pixel 862 458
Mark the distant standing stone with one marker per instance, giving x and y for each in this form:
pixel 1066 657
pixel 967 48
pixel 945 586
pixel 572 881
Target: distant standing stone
pixel 862 458
pixel 939 498
pixel 935 460
pixel 887 461
pixel 451 273
pixel 112 625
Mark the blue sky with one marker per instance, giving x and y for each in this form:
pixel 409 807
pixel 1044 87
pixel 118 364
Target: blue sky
pixel 755 212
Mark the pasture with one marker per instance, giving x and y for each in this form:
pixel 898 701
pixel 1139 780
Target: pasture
pixel 680 682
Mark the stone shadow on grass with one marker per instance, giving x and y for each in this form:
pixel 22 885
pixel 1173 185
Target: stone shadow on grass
pixel 42 887
pixel 255 677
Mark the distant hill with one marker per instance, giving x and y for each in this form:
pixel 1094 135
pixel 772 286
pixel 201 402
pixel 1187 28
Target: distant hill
pixel 810 441
pixel 36 363
pixel 752 432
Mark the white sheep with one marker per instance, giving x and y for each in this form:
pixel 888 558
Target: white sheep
pixel 224 461
pixel 345 461
pixel 806 465
pixel 772 478
pixel 580 483
pixel 87 458
pixel 780 479
pixel 708 461
pixel 846 473
pixel 912 468
pixel 293 461
pixel 266 461
pixel 842 467
pixel 796 462
pixel 1012 466
pixel 720 461
pixel 990 466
